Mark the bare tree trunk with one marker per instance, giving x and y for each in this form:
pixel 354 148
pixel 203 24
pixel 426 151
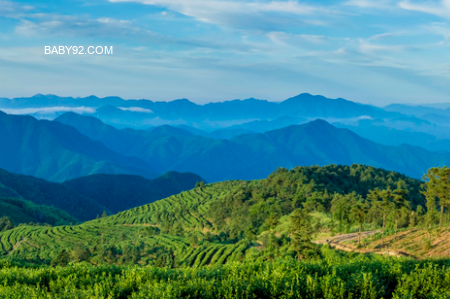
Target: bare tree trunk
pixel 440 220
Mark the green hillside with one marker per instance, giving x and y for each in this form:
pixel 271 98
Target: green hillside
pixel 122 192
pixel 84 198
pixel 212 224
pixel 44 193
pixel 19 211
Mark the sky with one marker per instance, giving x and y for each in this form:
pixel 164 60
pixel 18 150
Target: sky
pixel 376 52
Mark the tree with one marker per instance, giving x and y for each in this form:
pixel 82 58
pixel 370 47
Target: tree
pixel 431 210
pixel 383 200
pixel 80 253
pixel 399 196
pixel 359 213
pixel 301 232
pixel 62 259
pixel 104 215
pixel 272 221
pixel 438 186
pixel 6 223
pixel 340 208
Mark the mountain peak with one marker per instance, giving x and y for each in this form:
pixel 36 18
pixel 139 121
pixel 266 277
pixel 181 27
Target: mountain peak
pixel 40 96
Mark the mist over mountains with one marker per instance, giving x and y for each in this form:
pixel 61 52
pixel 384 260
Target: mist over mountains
pixel 219 141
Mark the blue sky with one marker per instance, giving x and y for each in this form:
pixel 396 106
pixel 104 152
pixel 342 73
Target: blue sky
pixel 376 52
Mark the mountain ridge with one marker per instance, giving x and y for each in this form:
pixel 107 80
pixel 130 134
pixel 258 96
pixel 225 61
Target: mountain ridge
pixel 253 156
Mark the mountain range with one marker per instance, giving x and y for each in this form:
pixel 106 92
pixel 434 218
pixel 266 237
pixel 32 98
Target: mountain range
pixel 56 152
pixel 253 156
pixel 230 140
pixel 141 114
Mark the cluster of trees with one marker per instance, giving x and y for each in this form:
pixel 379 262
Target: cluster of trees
pixel 378 208
pixel 351 196
pixel 254 220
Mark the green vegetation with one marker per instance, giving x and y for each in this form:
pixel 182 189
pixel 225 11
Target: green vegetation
pixel 27 199
pixel 239 239
pixel 23 211
pixel 219 223
pixel 334 276
pixel 119 192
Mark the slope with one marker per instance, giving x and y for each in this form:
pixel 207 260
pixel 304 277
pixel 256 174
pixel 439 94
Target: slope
pixel 41 192
pixel 121 192
pixel 56 152
pixel 254 156
pixel 24 211
pixel 214 224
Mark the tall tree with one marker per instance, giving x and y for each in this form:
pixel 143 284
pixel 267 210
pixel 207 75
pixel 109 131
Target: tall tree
pixel 340 208
pixel 359 212
pixel 301 232
pixel 383 200
pixel 399 200
pixel 438 186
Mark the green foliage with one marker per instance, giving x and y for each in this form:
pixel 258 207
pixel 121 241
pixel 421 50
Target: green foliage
pixel 62 259
pixel 333 277
pixel 24 211
pixel 438 187
pixel 5 224
pixel 219 223
pixel 301 234
pixel 109 190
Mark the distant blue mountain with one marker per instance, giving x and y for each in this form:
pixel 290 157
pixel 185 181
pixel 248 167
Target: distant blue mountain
pixel 254 156
pixel 56 152
pixel 112 109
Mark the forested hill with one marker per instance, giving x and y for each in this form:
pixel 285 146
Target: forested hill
pixel 121 192
pixel 42 192
pixel 248 204
pixel 214 223
pixel 84 198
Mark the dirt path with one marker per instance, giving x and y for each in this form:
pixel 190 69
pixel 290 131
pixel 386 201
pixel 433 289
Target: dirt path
pixel 337 242
pixel 16 246
pixel 20 243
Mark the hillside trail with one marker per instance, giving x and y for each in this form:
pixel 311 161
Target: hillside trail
pixel 15 246
pixel 337 242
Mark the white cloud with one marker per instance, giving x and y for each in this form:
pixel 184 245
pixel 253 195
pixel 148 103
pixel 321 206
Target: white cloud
pixel 136 109
pixel 438 8
pixel 441 29
pixel 246 15
pixel 49 110
pixel 13 10
pixel 49 24
pixel 371 48
pixel 370 4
